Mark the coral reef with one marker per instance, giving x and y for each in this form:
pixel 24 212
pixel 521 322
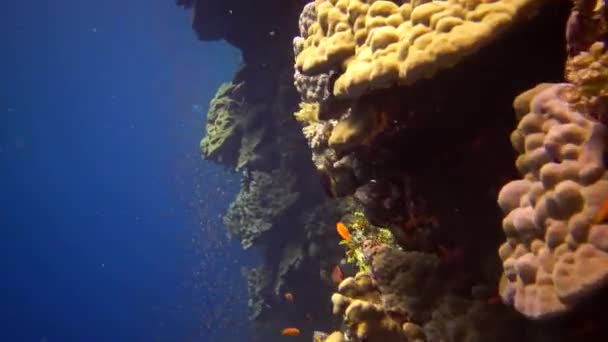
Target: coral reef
pixel 359 302
pixel 281 213
pixel 402 300
pixel 406 107
pixel 408 282
pixel 382 43
pixel 348 51
pixel 555 253
pixel 588 72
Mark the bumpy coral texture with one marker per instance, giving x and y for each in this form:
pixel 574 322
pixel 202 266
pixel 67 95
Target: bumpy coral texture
pixel 381 43
pixel 556 251
pixel 359 302
pixel 312 88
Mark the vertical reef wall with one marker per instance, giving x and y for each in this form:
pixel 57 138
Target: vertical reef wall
pixel 423 127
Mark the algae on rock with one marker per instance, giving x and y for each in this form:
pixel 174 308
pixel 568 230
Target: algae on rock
pixel 258 281
pixel 263 197
pixel 229 137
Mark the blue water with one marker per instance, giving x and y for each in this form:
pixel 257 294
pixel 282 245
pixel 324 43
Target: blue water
pixel 110 220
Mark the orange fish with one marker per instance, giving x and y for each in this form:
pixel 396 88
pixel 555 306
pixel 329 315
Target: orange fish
pixel 343 231
pixel 337 275
pixel 288 296
pixel 602 213
pixel 290 332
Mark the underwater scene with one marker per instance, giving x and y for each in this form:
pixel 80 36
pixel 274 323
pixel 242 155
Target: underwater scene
pixel 296 170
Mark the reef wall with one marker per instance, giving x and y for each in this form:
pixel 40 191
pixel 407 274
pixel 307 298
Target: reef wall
pixel 430 125
pixel 281 212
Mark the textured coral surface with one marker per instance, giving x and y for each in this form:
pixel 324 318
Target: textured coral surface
pixel 556 253
pixel 382 43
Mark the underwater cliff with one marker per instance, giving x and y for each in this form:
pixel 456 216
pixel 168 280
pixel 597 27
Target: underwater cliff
pixel 438 165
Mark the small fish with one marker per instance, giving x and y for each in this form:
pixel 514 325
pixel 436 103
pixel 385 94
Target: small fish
pixel 290 331
pixel 602 212
pixel 288 296
pixel 337 275
pixel 343 231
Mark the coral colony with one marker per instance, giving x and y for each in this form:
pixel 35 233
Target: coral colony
pixel 419 129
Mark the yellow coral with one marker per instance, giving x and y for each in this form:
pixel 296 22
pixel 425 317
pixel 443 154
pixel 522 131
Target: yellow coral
pixel 364 316
pixel 360 128
pixel 381 43
pixel 589 72
pixel 336 336
pixel 308 113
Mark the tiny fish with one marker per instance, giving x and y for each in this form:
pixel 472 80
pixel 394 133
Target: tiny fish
pixel 343 231
pixel 288 296
pixel 290 332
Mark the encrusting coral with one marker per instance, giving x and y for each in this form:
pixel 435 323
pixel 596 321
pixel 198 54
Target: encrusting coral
pixel 556 252
pixel 382 43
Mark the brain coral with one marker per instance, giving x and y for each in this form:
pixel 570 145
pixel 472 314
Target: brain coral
pixel 381 43
pixel 556 251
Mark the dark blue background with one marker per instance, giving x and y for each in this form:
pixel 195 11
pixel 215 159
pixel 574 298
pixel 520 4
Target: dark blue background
pixel 110 221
